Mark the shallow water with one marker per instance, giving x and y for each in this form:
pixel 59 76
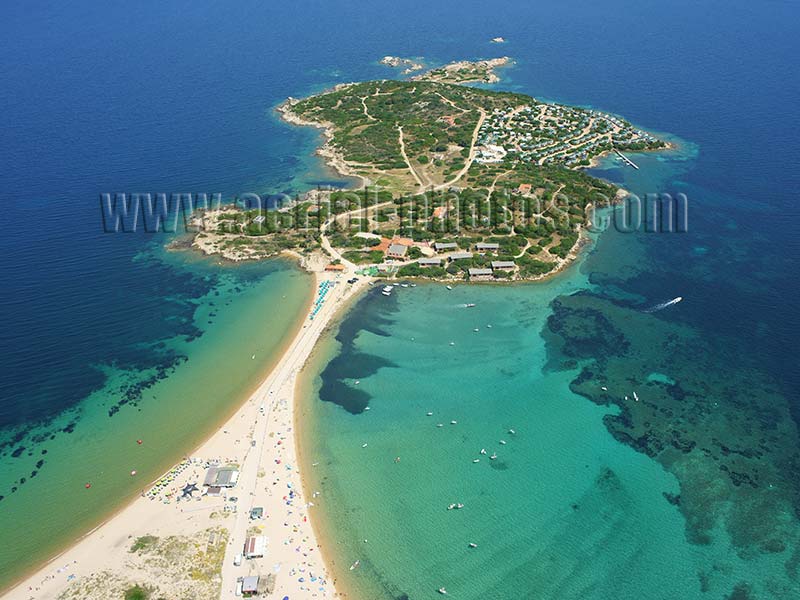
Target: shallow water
pixel 247 310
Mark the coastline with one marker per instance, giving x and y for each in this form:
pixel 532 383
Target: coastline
pixel 305 385
pixel 331 157
pixel 288 363
pixel 105 547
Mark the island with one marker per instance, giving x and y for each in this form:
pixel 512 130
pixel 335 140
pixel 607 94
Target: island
pixel 409 65
pixel 457 183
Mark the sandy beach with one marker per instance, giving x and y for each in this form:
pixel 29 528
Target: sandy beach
pixel 173 546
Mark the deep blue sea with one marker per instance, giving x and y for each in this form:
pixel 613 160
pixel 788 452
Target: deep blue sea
pixel 179 97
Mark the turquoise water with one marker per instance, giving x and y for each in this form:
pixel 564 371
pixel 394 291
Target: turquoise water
pixel 174 97
pixel 688 492
pixel 247 310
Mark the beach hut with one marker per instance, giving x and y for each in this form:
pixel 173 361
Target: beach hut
pixel 224 477
pixel 503 264
pixel 255 546
pixel 250 585
pixel 487 246
pixel 430 262
pixel 444 246
pixel 480 274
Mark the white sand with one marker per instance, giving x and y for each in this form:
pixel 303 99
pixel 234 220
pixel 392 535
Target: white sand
pixel 292 554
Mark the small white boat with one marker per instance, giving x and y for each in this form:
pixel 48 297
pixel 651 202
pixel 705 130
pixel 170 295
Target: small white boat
pixel 483 450
pixel 405 285
pixel 354 566
pixel 470 305
pixel 471 545
pixel 511 431
pixel 451 507
pixel 440 424
pixel 493 456
pixel 253 357
pixel 459 505
pixel 476 329
pixel 364 445
pixel 604 388
pixel 452 343
pixel 489 326
pixel 453 422
pixel 477 460
pixel 442 591
pixel 385 293
pixel 430 414
pixel 503 442
pixel 413 285
pixel 357 381
pixel 635 397
pixel 449 287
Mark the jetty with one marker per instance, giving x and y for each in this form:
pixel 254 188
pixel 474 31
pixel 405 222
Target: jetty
pixel 626 160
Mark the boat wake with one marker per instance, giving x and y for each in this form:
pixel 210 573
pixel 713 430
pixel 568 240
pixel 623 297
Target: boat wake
pixel 663 305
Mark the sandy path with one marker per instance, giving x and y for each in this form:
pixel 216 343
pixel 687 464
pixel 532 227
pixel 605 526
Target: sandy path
pixel 471 157
pixel 405 157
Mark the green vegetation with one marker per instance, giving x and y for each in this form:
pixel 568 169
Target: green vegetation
pixel 137 592
pixel 452 163
pixel 144 543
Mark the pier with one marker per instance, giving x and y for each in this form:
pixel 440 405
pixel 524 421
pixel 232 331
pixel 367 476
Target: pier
pixel 626 160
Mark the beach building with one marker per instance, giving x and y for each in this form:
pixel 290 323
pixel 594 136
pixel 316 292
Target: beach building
pixel 221 477
pixel 460 256
pixel 256 513
pixel 255 546
pixel 430 262
pixel 487 247
pixel 250 585
pixel 445 246
pixel 397 251
pixel 476 274
pixel 503 264
pixel 334 267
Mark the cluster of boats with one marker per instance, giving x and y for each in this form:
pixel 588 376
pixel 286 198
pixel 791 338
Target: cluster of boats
pixel 387 289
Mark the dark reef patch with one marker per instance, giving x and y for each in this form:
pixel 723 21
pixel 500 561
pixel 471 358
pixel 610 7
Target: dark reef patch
pixel 349 363
pixel 728 436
